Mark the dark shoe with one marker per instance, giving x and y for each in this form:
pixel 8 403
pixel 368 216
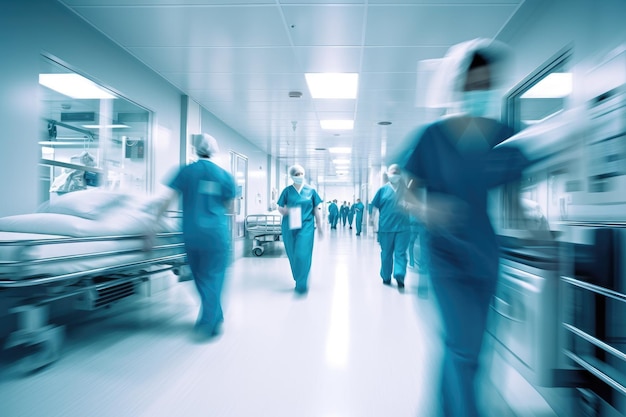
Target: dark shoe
pixel 400 284
pixel 301 291
pixel 387 282
pixel 358 234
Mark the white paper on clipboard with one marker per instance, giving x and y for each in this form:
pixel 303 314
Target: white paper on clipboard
pixel 295 218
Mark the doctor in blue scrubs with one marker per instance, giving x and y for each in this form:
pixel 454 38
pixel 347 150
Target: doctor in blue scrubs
pixel 300 206
pixel 358 211
pixel 394 230
pixel 457 161
pixel 207 195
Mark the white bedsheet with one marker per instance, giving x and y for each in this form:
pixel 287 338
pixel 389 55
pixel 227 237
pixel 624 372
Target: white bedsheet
pixel 123 220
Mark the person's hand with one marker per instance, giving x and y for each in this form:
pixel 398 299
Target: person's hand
pixel 149 238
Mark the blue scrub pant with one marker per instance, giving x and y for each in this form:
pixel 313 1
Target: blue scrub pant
pixel 332 219
pixel 393 254
pixel 299 248
pixel 359 223
pixel 208 267
pixel 350 219
pixel 464 306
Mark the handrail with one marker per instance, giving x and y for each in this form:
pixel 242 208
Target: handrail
pixel 62 164
pixel 595 341
pixel 596 372
pixel 65 277
pixel 595 288
pixel 71 127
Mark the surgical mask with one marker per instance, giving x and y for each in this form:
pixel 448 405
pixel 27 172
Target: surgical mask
pixel 477 103
pixel 297 180
pixel 394 178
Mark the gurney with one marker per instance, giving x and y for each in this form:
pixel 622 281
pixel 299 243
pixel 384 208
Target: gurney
pixel 89 246
pixel 263 229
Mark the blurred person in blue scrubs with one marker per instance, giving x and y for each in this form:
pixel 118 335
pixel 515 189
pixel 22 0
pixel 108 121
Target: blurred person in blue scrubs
pixel 333 214
pixel 207 197
pixel 343 212
pixel 358 208
pixel 299 204
pixel 350 215
pixel 394 230
pixel 456 161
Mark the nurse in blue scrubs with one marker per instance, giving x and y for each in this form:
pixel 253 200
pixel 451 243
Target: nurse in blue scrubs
pixel 358 208
pixel 456 161
pixel 207 193
pixel 394 230
pixel 299 204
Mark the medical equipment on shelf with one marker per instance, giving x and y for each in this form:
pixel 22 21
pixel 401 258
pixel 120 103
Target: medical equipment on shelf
pixel 263 229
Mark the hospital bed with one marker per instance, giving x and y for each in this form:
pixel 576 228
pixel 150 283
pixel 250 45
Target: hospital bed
pixel 263 229
pixel 87 246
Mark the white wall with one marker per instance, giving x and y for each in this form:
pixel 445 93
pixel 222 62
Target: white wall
pixel 591 28
pixel 31 28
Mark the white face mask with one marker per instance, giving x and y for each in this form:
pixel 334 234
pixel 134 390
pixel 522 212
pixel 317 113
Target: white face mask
pixel 297 180
pixel 478 103
pixel 393 178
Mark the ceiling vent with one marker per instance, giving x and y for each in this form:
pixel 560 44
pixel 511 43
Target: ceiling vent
pixel 295 94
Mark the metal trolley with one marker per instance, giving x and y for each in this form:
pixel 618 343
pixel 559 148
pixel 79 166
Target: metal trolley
pixel 263 229
pixel 31 295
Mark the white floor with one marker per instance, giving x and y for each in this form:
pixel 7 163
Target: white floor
pixel 351 348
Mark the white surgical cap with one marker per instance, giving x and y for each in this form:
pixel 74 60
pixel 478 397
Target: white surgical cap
pixel 205 145
pixel 449 79
pixel 295 168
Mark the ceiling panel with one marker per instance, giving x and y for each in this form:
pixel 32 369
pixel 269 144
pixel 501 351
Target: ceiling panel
pixel 225 60
pixel 189 25
pixel 433 24
pixel 327 25
pixel 239 59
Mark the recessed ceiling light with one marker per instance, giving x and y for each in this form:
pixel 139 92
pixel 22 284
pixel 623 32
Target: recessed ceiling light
pixel 333 85
pixel 74 85
pixel 340 149
pixel 555 85
pixel 337 124
pixel 295 94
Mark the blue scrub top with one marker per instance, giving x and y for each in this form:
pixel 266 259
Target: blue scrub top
pixel 448 165
pixel 392 217
pixel 206 188
pixel 307 199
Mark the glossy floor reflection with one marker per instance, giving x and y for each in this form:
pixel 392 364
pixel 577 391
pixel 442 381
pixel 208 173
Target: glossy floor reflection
pixel 351 348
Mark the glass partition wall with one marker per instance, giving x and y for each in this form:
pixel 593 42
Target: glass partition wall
pixel 90 136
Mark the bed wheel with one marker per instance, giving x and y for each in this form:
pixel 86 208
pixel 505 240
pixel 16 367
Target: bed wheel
pixel 36 349
pixel 258 251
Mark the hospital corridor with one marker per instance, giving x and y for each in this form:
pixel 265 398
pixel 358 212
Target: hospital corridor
pixel 208 208
pixel 351 347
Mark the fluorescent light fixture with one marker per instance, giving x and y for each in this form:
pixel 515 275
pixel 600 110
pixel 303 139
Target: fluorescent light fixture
pixel 555 85
pixel 111 126
pixel 341 161
pixel 337 124
pixel 74 85
pixel 339 149
pixel 333 85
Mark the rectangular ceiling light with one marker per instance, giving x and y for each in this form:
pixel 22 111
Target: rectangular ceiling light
pixel 337 124
pixel 555 85
pixel 339 149
pixel 341 161
pixel 112 126
pixel 74 86
pixel 332 85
